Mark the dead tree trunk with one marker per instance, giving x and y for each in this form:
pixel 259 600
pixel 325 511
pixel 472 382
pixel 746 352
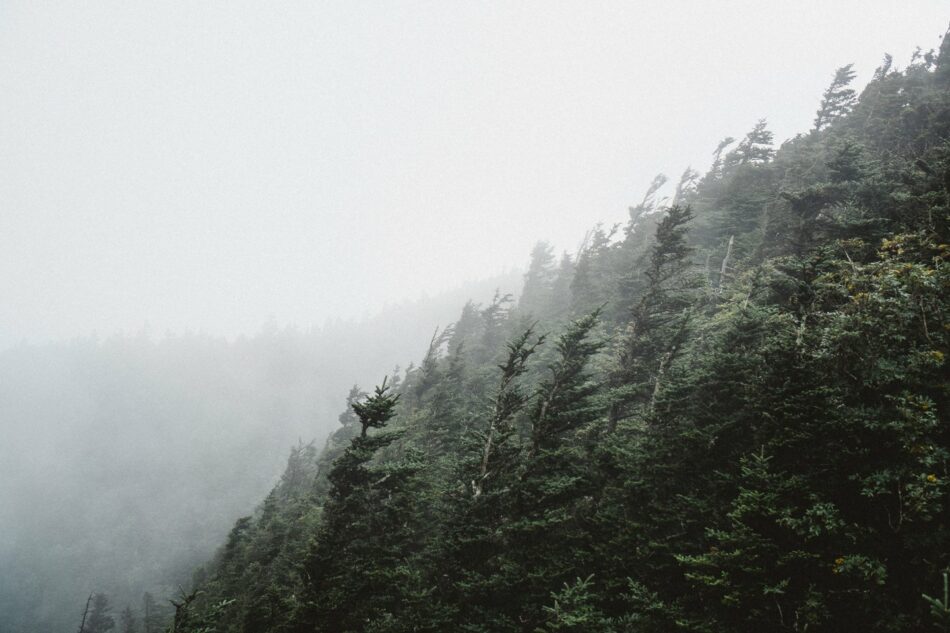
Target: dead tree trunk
pixel 725 263
pixel 85 613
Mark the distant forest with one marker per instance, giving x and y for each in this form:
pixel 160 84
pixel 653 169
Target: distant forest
pixel 727 415
pixel 124 460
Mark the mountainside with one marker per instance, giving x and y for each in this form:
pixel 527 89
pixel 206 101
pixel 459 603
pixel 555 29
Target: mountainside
pixel 728 415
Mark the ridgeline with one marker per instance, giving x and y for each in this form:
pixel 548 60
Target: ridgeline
pixel 728 415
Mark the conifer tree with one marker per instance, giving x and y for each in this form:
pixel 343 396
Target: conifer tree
pixel 563 402
pixel 474 545
pixel 539 280
pixel 715 171
pixel 754 149
pixel 659 322
pixel 594 274
pixel 686 187
pixel 837 100
pixel 552 494
pixel 447 408
pixel 559 306
pixel 493 318
pixel 152 615
pixel 100 618
pixel 368 524
pixel 127 622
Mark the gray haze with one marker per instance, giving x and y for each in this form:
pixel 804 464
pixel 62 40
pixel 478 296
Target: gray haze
pixel 215 217
pixel 212 166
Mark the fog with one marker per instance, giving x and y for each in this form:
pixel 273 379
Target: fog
pixel 213 166
pixel 125 460
pixel 216 217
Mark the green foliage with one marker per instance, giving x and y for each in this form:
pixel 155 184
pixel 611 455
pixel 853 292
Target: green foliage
pixel 573 610
pixel 838 99
pixel 749 436
pixel 940 608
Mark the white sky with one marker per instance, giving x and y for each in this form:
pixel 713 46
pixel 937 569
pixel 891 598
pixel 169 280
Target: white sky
pixel 212 165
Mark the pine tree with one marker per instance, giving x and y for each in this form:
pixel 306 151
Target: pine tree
pixel 492 454
pixel 153 616
pixel 493 318
pixel 100 618
pixel 368 525
pixel 660 320
pixel 473 545
pixel 127 621
pixel 552 494
pixel 754 149
pixel 563 403
pixel 686 187
pixel 753 576
pixel 594 273
pixel 572 610
pixel 715 171
pixel 837 100
pixel 559 306
pixel 448 408
pixel 539 280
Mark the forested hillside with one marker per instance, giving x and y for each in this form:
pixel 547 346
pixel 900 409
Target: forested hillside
pixel 729 414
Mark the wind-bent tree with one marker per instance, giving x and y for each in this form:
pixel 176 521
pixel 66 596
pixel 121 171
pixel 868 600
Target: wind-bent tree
pixel 837 100
pixel 100 617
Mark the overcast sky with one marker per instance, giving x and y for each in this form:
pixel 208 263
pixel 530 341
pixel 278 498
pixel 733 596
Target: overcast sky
pixel 215 165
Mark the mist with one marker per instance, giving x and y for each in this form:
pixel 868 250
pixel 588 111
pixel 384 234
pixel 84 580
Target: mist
pixel 216 218
pixel 125 459
pixel 216 166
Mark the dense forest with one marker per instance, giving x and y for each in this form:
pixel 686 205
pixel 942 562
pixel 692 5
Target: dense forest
pixel 729 414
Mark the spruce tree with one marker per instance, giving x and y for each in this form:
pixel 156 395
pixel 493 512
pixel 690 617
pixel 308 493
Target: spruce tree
pixel 368 525
pixel 660 320
pixel 837 100
pixel 539 280
pixel 473 545
pixel 127 621
pixel 100 618
pixel 754 149
pixel 552 494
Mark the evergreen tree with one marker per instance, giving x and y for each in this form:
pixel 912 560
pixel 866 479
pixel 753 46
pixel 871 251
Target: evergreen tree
pixel 559 306
pixel 474 546
pixel 563 401
pixel 686 187
pixel 838 99
pixel 153 616
pixel 552 494
pixel 594 274
pixel 127 622
pixel 572 610
pixel 539 280
pixel 754 149
pixel 368 526
pixel 659 322
pixel 493 318
pixel 100 617
pixel 715 171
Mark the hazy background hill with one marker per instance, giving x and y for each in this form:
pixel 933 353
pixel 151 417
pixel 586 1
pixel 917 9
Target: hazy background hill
pixel 125 460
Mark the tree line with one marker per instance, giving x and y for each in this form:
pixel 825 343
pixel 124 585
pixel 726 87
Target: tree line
pixel 728 414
